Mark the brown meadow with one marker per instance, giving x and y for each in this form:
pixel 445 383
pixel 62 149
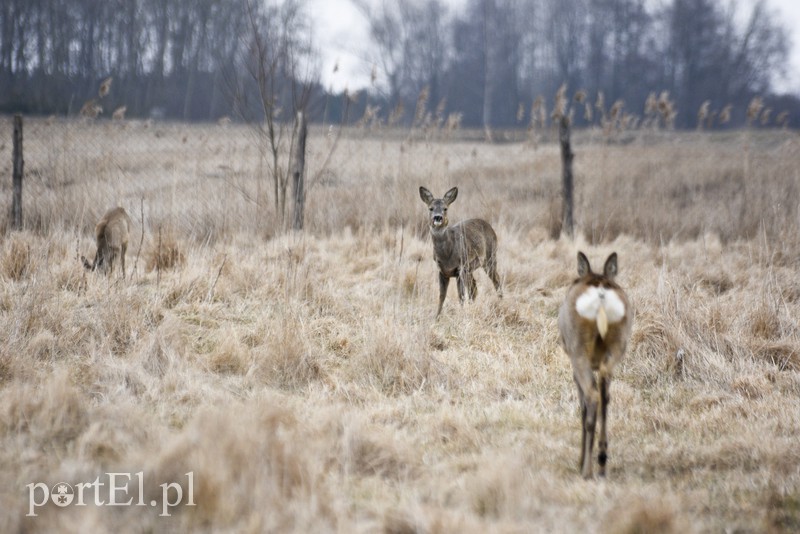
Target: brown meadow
pixel 302 377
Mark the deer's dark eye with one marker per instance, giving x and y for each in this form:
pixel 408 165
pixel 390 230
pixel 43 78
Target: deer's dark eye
pixel 430 209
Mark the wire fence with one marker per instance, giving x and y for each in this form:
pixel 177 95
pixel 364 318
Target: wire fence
pixel 206 182
pixel 174 175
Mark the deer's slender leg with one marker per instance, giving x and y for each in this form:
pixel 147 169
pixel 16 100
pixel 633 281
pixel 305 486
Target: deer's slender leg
pixel 461 281
pixel 602 443
pixel 444 281
pixel 473 286
pixel 491 270
pixel 582 405
pixel 122 253
pixel 587 391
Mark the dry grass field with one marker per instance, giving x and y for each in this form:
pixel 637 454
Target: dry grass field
pixel 303 382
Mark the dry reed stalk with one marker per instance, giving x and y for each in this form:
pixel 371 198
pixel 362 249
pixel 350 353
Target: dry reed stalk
pixel 702 114
pixel 105 87
pixel 754 110
pixel 559 104
pixel 725 114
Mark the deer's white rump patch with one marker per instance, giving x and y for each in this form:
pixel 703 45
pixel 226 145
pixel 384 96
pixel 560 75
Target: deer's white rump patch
pixel 589 303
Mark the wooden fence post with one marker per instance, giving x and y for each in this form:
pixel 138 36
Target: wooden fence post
pixel 566 176
pixel 16 202
pixel 298 170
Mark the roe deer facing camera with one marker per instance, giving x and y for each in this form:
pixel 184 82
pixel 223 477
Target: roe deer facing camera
pixel 461 248
pixel 112 241
pixel 595 322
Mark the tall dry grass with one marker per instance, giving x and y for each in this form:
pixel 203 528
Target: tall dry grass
pixel 303 381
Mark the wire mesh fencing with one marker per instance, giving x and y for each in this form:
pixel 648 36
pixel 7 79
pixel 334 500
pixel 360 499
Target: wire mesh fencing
pixel 206 182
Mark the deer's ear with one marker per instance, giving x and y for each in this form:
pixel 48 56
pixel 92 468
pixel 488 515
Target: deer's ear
pixel 583 264
pixel 425 195
pixel 450 196
pixel 610 268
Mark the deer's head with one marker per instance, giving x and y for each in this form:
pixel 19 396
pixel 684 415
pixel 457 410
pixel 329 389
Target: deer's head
pixel 438 207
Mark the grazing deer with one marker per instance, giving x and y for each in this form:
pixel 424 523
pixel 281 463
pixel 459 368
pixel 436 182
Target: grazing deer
pixel 595 322
pixel 461 248
pixel 112 240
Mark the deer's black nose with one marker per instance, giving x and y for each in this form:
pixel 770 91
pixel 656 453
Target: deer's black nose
pixel 437 218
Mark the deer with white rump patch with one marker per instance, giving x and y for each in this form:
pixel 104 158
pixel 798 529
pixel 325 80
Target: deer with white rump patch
pixel 461 248
pixel 595 322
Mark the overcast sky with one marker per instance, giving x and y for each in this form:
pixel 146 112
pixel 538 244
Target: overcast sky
pixel 341 34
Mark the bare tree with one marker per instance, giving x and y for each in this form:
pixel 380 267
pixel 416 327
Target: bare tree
pixel 757 53
pixel 490 60
pixel 277 85
pixel 567 35
pixel 412 46
pixel 388 32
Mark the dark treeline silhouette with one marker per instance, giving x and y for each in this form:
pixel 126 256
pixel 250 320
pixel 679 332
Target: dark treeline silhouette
pixel 490 62
pixel 180 59
pixel 494 59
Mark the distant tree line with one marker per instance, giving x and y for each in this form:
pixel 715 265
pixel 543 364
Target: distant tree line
pixel 492 64
pixel 168 58
pixel 492 61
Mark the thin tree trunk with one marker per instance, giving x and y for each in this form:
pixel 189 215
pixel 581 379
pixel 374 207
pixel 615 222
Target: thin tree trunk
pixel 566 176
pixel 298 170
pixel 489 36
pixel 16 204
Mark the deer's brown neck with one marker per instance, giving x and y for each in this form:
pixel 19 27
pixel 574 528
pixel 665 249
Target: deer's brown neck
pixel 444 248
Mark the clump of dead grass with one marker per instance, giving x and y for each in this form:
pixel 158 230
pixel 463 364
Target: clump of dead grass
pixel 164 253
pixel 419 518
pixel 163 349
pixel 751 386
pixel 784 355
pixel 365 451
pixel 249 471
pixel 231 356
pixel 287 360
pixel 109 439
pixel 42 345
pixel 764 322
pixel 53 416
pixel 640 515
pixel 499 492
pixel 17 262
pixel 396 364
